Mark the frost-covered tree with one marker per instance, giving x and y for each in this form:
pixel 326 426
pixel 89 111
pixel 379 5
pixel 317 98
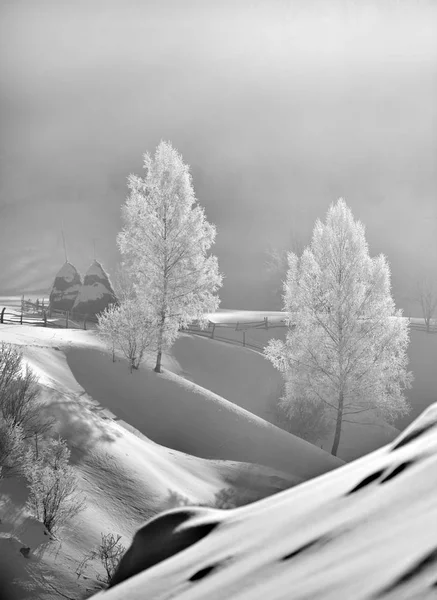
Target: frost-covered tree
pixel 276 262
pixel 13 450
pixel 164 243
pixel 54 498
pixel 127 327
pixel 346 344
pixel 20 401
pixel 427 297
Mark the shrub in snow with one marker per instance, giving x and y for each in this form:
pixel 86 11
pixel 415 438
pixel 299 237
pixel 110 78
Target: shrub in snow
pixel 53 497
pixel 226 498
pixel 164 243
pixel 14 453
pixel 309 421
pixel 109 552
pixel 128 328
pixel 346 345
pixel 19 394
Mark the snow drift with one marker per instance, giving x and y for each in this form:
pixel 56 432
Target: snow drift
pixel 364 531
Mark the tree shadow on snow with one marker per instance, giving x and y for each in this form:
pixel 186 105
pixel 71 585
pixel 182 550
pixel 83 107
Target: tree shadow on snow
pixel 82 423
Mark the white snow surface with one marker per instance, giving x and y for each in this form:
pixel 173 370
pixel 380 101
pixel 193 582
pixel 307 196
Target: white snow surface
pixel 379 541
pixel 352 547
pixel 115 424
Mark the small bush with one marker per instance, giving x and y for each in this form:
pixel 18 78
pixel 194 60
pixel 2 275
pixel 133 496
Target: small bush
pixel 306 420
pixel 109 553
pixel 53 497
pixel 225 499
pixel 14 453
pixel 19 393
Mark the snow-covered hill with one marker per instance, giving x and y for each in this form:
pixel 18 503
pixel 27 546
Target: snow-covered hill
pixel 365 531
pixel 116 424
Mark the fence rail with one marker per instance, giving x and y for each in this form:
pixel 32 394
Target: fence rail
pixel 39 314
pixel 45 318
pixel 422 327
pixel 235 333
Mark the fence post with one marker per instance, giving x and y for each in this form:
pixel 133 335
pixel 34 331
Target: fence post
pixel 84 322
pixel 44 318
pixel 244 337
pixel 266 321
pixel 21 316
pixel 236 329
pixel 213 329
pixel 2 314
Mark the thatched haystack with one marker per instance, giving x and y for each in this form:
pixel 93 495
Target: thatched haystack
pixel 65 288
pixel 96 293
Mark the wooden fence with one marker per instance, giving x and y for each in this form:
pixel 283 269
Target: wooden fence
pixel 235 333
pixel 419 325
pixel 39 314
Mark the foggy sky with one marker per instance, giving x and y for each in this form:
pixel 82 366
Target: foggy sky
pixel 279 107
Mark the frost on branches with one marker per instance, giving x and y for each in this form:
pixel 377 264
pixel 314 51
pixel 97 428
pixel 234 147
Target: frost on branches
pixel 164 243
pixel 127 328
pixel 346 345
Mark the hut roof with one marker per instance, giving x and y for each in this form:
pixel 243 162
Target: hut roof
pixel 96 293
pixel 65 287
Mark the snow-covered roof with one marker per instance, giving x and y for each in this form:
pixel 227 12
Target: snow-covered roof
pixel 96 269
pixel 96 293
pixel 67 272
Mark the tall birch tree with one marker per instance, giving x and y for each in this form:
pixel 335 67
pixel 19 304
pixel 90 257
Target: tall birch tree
pixel 346 344
pixel 165 243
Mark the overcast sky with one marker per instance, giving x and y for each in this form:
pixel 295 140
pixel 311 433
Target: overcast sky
pixel 279 107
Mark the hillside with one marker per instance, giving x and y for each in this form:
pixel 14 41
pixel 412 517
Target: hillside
pixel 136 441
pixel 250 381
pixel 364 531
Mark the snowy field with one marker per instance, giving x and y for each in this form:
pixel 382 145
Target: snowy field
pixel 136 441
pixel 362 532
pixel 201 427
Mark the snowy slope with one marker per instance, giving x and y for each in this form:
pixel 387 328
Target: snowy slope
pixel 128 477
pixel 250 381
pixel 367 530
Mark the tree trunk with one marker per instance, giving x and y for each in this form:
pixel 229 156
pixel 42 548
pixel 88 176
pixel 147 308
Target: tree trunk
pixel 338 425
pixel 157 368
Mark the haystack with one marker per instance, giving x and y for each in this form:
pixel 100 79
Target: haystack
pixel 65 288
pixel 96 293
